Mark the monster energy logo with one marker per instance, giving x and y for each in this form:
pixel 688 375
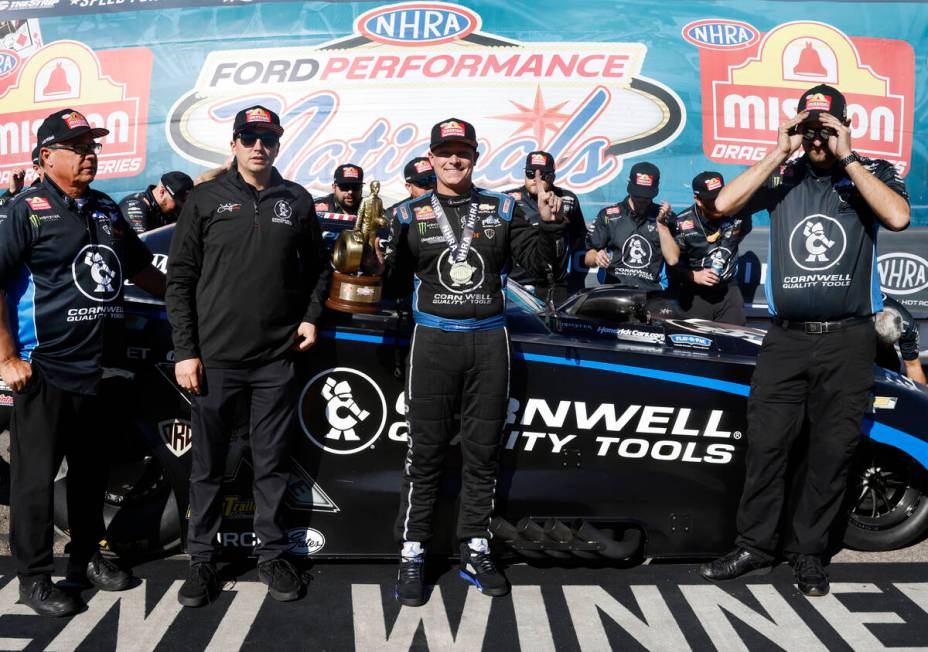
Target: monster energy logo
pixel 423 227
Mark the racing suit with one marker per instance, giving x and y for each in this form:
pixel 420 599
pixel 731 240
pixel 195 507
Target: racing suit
pixel 704 244
pixel 459 355
pixel 633 245
pixel 142 211
pixel 821 268
pixel 574 237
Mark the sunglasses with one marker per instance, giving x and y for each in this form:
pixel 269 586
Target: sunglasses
pixel 248 139
pixel 822 134
pixel 348 187
pixel 84 149
pixel 546 176
pixel 427 182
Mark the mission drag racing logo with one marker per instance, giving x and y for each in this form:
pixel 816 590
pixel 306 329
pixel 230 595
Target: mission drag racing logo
pixel 342 410
pixel 657 432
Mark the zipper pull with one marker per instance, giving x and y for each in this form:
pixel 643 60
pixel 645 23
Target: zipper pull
pixel 257 225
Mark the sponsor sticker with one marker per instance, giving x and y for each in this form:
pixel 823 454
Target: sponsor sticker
pixel 424 213
pixel 305 541
pixel 452 128
pixel 177 435
pixel 686 225
pixel 321 207
pixel 422 166
pixel 539 159
pixel 97 273
pixel 714 183
pixel 695 341
pixel 817 243
pixel 818 102
pixel 613 210
pixel 342 411
pixel 350 173
pixel 257 115
pixel 228 207
pixel 38 203
pixel 75 120
pixel 642 179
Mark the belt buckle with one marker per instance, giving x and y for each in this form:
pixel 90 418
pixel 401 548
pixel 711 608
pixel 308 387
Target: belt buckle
pixel 815 327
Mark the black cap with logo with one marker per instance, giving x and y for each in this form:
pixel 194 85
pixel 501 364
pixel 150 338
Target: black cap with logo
pixel 708 185
pixel 36 159
pixel 256 117
pixel 64 125
pixel 542 161
pixel 348 174
pixel 644 180
pixel 419 171
pixel 178 186
pixel 823 99
pixel 451 130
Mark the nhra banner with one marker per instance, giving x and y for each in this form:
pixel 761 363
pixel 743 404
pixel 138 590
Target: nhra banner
pixel 687 86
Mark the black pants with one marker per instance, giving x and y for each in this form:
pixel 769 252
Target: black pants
pixel 447 369
pixel 825 379
pixel 273 402
pixel 48 424
pixel 722 303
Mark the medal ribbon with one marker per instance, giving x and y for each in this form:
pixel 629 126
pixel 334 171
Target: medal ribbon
pixel 459 250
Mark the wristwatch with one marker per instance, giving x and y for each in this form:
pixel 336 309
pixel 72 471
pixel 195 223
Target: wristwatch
pixel 847 160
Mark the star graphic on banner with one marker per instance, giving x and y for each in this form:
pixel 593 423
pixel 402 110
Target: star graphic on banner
pixel 537 118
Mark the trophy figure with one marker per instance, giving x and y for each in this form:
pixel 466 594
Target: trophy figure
pixel 354 287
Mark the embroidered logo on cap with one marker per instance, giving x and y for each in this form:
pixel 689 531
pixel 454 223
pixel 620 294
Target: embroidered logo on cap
pixel 257 115
pixel 714 183
pixel 642 179
pixel 423 166
pixel 75 120
pixel 818 102
pixel 38 203
pixel 350 173
pixel 538 159
pixel 451 128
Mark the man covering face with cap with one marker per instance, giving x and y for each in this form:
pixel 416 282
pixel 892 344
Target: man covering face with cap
pixel 453 248
pixel 539 172
pixel 158 204
pixel 247 277
pixel 631 240
pixel 817 357
pixel 709 255
pixel 65 253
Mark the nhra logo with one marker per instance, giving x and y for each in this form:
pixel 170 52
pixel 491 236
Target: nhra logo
pixel 636 252
pixel 97 273
pixel 342 411
pixel 305 541
pixel 177 435
pixel 717 34
pixel 417 23
pixel 817 243
pixel 902 273
pixel 8 62
pixel 749 92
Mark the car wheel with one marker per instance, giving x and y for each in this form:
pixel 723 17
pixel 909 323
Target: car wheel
pixel 888 500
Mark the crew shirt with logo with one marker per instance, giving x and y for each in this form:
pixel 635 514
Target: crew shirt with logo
pixel 822 264
pixel 632 241
pixel 142 212
pixel 63 263
pixel 704 241
pixel 333 218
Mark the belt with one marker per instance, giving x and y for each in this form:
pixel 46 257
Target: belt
pixel 445 324
pixel 820 327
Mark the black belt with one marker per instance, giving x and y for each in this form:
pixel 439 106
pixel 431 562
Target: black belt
pixel 819 327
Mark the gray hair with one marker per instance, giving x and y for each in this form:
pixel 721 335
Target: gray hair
pixel 888 326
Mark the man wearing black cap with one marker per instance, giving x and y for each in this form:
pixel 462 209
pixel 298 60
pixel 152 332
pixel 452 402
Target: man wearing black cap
pixel 157 205
pixel 631 239
pixel 65 252
pixel 817 357
pixel 247 277
pixel 453 247
pixel 345 199
pixel 539 171
pixel 419 177
pixel 709 255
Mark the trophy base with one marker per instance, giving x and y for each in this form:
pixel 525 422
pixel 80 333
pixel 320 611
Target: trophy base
pixel 350 293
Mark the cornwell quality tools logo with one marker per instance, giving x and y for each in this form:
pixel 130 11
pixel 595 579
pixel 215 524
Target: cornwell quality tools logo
pixel 747 92
pixel 109 87
pixel 371 98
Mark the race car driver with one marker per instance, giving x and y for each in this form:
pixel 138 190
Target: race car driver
pixel 895 324
pixel 631 240
pixel 419 177
pixel 816 360
pixel 157 205
pixel 345 199
pixel 247 276
pixel 453 247
pixel 65 252
pixel 553 283
pixel 708 264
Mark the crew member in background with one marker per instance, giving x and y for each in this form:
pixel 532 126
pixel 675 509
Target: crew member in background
pixel 17 178
pixel 816 362
pixel 65 252
pixel 248 238
pixel 159 204
pixel 539 170
pixel 631 240
pixel 440 246
pixel 420 179
pixel 707 273
pixel 345 199
pixel 895 324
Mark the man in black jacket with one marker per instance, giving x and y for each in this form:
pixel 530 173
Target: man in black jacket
pixel 247 277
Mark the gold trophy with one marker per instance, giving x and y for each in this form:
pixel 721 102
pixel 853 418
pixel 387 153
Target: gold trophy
pixel 354 287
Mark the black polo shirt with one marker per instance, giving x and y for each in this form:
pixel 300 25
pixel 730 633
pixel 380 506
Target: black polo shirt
pixel 703 240
pixel 634 244
pixel 62 265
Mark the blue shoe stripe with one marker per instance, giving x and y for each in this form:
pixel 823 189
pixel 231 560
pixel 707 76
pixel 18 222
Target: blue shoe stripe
pixel 470 578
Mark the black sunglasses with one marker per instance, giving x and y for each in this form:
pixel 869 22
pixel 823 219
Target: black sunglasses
pixel 248 139
pixel 427 182
pixel 822 134
pixel 546 176
pixel 84 149
pixel 347 187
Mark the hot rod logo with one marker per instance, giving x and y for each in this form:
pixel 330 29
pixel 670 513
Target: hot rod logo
pixel 370 97
pixel 748 92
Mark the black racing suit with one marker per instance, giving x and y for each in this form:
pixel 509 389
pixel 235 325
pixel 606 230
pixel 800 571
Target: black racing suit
pixel 142 211
pixel 710 244
pixel 245 269
pixel 908 342
pixel 557 277
pixel 459 357
pixel 816 362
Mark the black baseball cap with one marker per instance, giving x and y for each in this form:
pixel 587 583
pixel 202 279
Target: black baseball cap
pixel 178 185
pixel 708 185
pixel 256 117
pixel 64 125
pixel 644 180
pixel 36 159
pixel 823 99
pixel 542 161
pixel 451 130
pixel 419 170
pixel 349 174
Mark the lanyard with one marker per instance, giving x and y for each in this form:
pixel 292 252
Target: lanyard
pixel 459 250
